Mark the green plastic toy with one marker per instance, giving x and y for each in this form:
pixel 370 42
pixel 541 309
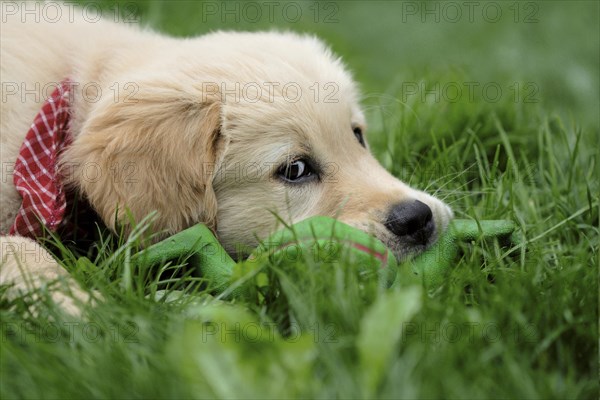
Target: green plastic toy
pixel 321 239
pixel 433 265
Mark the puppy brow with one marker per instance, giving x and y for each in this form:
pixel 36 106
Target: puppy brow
pixel 295 150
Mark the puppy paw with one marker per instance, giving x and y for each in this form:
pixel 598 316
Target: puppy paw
pixel 26 268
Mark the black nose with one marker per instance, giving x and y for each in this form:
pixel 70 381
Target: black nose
pixel 412 219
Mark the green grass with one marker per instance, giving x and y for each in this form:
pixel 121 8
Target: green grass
pixel 506 324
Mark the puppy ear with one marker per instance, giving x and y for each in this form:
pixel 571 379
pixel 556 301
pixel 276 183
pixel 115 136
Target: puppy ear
pixel 154 151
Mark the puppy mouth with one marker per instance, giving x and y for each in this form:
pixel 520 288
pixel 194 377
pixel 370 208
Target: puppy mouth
pixel 408 247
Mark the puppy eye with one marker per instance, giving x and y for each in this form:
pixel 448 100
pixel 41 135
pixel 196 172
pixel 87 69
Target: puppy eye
pixel 359 136
pixel 296 171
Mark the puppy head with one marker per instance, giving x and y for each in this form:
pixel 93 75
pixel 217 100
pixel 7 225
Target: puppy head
pixel 234 128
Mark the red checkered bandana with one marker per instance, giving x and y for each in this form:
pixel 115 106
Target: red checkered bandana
pixel 35 174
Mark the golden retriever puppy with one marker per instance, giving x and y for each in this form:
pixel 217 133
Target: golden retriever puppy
pixel 228 129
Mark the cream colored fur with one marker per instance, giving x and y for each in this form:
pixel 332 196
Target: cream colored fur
pixel 188 147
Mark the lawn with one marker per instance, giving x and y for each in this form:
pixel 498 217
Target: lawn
pixel 493 109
